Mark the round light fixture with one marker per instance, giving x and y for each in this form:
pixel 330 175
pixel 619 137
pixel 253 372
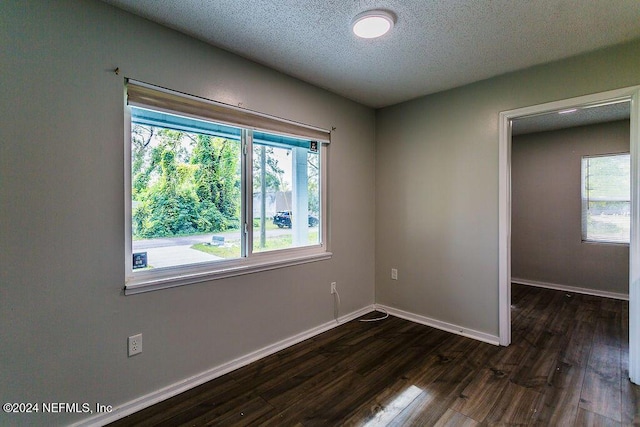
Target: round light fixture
pixel 372 24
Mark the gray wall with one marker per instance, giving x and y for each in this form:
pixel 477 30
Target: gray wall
pixel 546 225
pixel 64 320
pixel 437 184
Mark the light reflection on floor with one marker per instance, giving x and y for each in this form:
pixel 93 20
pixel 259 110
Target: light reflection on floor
pixel 393 409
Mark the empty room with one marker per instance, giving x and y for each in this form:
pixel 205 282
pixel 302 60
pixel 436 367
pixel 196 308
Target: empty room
pixel 270 213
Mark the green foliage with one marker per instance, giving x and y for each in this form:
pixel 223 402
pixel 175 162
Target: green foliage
pixel 183 183
pixel 217 181
pixel 273 172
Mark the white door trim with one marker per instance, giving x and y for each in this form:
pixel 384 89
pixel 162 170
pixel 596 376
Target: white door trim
pixel 504 212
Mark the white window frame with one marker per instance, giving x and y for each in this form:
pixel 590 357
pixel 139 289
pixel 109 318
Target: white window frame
pixel 585 200
pixel 168 277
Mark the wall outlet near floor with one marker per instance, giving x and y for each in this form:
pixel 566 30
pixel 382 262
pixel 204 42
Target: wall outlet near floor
pixel 333 288
pixel 394 274
pixel 135 344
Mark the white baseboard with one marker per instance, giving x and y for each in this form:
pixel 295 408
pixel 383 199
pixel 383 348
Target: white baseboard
pixel 557 287
pixel 143 402
pixel 438 324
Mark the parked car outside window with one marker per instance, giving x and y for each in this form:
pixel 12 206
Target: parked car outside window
pixel 283 219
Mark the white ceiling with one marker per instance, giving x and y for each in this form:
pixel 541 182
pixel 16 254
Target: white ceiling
pixel 435 44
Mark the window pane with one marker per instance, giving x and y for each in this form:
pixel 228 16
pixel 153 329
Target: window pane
pixel 606 198
pixel 286 178
pixel 185 195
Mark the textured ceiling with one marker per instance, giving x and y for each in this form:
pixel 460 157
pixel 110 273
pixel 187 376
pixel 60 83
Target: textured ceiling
pixel 435 44
pixel 580 117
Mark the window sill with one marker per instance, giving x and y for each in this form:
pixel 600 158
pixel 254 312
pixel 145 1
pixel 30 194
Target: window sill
pixel 173 277
pixel 605 242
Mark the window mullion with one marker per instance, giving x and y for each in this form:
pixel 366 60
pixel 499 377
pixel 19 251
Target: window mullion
pixel 247 186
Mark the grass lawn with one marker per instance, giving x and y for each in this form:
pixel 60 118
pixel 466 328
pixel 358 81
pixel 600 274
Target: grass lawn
pixel 231 249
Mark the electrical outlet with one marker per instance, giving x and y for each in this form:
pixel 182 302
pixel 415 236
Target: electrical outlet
pixel 394 274
pixel 333 288
pixel 135 344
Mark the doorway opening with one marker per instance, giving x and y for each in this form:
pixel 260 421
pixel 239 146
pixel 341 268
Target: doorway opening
pixel 589 102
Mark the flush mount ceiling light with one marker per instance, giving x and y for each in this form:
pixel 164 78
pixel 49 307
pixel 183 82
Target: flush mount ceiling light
pixel 372 23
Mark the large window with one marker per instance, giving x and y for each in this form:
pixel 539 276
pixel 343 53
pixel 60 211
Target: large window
pixel 606 192
pixel 215 191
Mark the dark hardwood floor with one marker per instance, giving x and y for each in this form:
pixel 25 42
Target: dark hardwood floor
pixel 566 366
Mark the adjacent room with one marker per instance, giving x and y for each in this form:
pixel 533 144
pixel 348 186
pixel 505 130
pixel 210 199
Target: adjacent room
pixel 268 213
pixel 570 206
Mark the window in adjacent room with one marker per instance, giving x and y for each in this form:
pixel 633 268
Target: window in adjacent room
pixel 215 191
pixel 606 194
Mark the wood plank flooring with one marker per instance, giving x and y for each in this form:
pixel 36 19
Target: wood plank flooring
pixel 567 366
